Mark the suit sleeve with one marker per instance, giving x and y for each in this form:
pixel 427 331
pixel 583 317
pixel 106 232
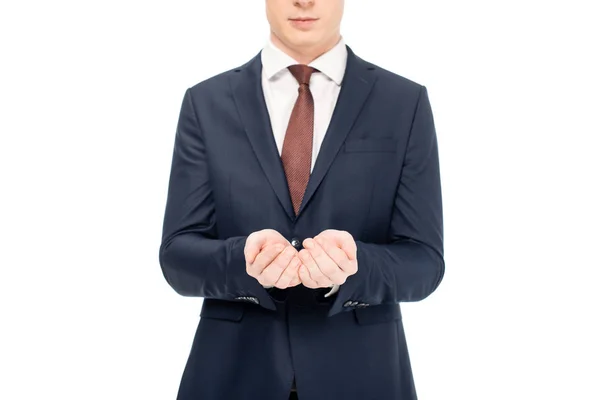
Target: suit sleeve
pixel 194 261
pixel 411 265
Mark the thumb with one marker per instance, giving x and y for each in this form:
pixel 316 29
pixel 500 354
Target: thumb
pixel 348 245
pixel 254 244
pixel 342 240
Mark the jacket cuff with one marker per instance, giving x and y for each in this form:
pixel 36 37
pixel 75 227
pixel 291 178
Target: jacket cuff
pixel 239 285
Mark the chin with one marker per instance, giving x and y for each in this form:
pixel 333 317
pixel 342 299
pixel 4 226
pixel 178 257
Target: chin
pixel 304 40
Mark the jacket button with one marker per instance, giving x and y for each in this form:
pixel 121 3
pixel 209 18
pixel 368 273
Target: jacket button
pixel 296 243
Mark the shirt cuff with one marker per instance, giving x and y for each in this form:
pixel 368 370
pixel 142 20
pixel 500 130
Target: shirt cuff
pixel 333 290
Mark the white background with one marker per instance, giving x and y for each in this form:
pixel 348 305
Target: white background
pixel 89 98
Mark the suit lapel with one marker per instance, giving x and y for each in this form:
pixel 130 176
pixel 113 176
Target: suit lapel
pixel 356 86
pixel 250 102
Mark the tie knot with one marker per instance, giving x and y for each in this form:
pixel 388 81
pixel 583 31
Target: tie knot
pixel 302 73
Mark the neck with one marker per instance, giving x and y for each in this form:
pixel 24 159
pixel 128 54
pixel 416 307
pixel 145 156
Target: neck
pixel 305 55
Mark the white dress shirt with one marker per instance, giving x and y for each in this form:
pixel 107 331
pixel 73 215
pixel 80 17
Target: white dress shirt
pixel 281 91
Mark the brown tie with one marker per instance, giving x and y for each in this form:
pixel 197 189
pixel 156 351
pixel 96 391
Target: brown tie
pixel 296 154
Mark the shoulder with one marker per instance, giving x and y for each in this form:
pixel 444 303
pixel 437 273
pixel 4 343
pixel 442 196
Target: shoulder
pixel 212 85
pixel 219 83
pixel 392 82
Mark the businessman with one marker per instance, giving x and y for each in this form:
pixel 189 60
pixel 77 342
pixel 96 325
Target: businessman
pixel 304 205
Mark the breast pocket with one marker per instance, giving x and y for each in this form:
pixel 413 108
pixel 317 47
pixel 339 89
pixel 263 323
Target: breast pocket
pixel 387 145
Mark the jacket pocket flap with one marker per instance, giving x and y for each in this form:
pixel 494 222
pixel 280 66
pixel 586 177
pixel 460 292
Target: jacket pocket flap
pixel 377 314
pixel 222 309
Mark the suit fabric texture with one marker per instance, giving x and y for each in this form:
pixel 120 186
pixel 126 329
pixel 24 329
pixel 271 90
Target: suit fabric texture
pixel 376 176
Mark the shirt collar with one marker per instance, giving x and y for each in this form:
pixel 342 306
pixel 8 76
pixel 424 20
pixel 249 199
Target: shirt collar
pixel 331 63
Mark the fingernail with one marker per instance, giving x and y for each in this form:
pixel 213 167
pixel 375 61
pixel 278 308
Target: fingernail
pixel 309 244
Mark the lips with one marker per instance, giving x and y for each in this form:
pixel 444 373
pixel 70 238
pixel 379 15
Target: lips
pixel 303 23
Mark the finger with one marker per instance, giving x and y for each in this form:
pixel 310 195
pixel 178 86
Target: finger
pixel 276 267
pixel 341 239
pixel 348 245
pixel 306 279
pixel 289 274
pixel 314 269
pixel 339 256
pixel 254 244
pixel 263 259
pixel 326 265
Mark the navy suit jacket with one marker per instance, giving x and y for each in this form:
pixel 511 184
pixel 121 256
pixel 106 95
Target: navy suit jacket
pixel 376 176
